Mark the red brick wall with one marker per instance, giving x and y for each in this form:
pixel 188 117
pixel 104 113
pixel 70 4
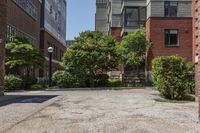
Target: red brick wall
pixel 193 29
pixel 2 42
pixel 116 33
pixel 155 33
pixel 47 39
pixel 18 18
pixel 196 43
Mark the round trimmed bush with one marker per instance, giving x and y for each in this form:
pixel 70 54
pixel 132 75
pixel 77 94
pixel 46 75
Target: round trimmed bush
pixel 12 82
pixel 171 76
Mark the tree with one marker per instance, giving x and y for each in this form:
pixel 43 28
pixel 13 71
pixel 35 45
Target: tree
pixel 91 53
pixel 133 47
pixel 22 54
pixel 132 50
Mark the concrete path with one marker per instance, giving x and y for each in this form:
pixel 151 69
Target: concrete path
pixel 126 111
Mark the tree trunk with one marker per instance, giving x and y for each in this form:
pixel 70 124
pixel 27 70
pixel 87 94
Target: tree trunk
pixel 91 81
pixel 92 76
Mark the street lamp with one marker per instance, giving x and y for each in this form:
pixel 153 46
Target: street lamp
pixel 50 51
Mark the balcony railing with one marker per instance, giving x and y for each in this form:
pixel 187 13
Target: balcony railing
pixel 134 24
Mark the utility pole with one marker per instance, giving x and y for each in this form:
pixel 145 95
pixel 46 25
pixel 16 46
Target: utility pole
pixel 3 12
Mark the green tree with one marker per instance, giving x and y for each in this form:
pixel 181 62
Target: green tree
pixel 22 54
pixel 133 48
pixel 91 53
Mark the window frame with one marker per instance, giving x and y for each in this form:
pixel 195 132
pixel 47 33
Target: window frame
pixel 139 21
pixel 168 43
pixel 168 14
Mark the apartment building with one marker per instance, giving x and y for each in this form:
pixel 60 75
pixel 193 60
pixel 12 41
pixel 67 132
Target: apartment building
pixel 118 17
pixel 28 24
pixel 169 28
pixel 101 16
pixel 53 31
pixel 2 42
pixel 168 24
pixel 23 19
pixel 42 22
pixel 196 44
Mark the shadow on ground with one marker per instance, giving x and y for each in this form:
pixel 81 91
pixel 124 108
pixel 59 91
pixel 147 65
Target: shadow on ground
pixel 10 99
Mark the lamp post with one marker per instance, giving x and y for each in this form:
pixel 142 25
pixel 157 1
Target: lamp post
pixel 50 51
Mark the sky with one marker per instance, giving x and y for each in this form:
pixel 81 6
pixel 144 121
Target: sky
pixel 80 17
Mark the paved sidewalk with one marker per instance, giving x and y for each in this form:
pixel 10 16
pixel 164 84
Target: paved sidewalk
pixel 16 107
pixel 125 111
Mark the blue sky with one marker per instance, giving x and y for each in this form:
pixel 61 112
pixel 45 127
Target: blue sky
pixel 80 17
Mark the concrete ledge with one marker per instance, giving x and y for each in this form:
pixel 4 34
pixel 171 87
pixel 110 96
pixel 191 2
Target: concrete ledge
pixel 95 88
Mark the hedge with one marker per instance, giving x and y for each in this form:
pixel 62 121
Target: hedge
pixel 171 76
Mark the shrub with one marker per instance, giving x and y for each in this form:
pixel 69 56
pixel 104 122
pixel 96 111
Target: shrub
pixel 115 83
pixel 12 82
pixel 101 80
pixel 36 87
pixel 28 82
pixel 67 80
pixel 170 76
pixel 56 76
pixel 191 78
pixel 43 83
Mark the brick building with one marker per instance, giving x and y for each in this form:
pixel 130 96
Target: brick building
pixel 168 24
pixel 42 22
pixel 27 25
pixel 2 42
pixel 169 28
pixel 53 31
pixel 196 44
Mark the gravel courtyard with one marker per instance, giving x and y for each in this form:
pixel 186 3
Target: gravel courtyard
pixel 122 111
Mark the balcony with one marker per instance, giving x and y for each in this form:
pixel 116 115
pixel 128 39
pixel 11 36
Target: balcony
pixel 133 18
pixel 132 3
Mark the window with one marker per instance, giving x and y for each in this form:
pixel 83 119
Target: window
pixel 171 37
pixel 13 31
pixel 143 13
pixel 134 16
pixel 51 10
pixel 55 53
pixel 171 8
pixel 116 20
pixel 61 54
pixel 28 7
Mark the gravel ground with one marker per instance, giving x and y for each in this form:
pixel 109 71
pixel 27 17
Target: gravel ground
pixel 125 111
